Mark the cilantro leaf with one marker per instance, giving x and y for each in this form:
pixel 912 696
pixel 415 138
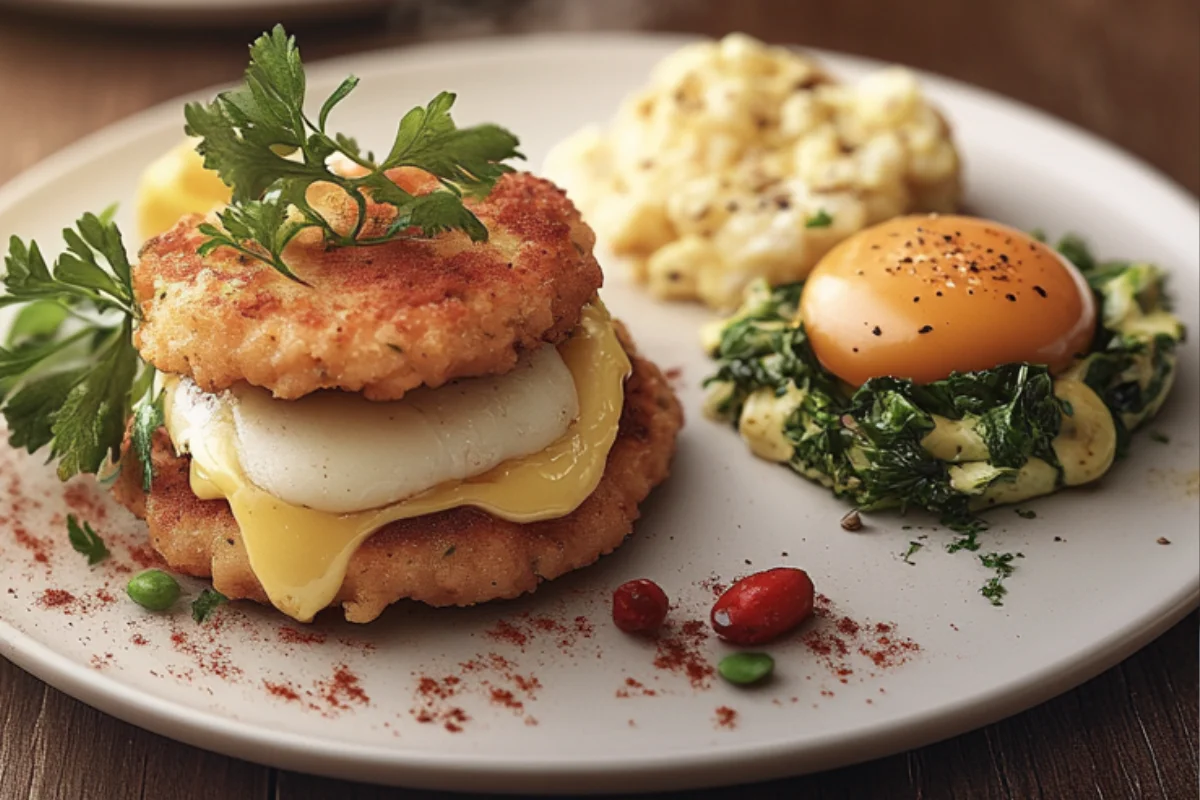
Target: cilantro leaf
pixel 86 541
pixel 259 140
pixel 208 602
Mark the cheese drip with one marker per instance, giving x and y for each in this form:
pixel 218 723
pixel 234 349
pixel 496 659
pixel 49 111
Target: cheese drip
pixel 300 555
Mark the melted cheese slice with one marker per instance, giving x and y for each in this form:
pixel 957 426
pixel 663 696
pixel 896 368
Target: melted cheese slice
pixel 300 555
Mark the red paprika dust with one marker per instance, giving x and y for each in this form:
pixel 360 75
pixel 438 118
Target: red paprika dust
pixel 682 652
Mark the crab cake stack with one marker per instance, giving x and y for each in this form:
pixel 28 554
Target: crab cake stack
pixel 437 419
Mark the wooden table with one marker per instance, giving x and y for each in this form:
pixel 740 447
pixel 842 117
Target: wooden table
pixel 1130 72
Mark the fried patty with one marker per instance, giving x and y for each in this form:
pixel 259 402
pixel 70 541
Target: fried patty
pixel 379 320
pixel 458 557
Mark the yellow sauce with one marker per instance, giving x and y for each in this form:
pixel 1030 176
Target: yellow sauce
pixel 300 555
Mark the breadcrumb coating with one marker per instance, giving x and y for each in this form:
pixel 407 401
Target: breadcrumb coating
pixel 379 320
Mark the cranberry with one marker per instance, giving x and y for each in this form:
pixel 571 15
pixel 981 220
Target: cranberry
pixel 763 606
pixel 639 606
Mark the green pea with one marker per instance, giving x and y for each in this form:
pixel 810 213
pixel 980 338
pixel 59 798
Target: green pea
pixel 746 668
pixel 153 589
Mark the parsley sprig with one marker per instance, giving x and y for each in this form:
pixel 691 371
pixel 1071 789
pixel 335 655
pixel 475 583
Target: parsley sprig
pixel 208 602
pixel 70 376
pixel 85 541
pixel 261 142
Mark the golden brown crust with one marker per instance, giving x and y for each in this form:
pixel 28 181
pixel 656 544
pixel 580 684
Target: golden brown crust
pixel 379 320
pixel 458 557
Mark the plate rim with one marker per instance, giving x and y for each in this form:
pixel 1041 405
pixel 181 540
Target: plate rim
pixel 423 769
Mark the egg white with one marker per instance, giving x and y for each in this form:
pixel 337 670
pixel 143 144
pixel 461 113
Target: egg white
pixel 340 453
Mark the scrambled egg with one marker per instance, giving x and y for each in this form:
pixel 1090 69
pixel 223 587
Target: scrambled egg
pixel 742 161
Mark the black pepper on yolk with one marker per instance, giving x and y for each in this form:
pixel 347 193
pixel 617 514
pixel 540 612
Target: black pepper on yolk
pixel 921 297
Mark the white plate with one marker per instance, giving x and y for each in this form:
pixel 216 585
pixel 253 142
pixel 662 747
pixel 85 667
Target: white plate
pixel 1076 606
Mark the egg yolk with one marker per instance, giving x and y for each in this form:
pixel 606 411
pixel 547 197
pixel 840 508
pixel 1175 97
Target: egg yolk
pixel 920 297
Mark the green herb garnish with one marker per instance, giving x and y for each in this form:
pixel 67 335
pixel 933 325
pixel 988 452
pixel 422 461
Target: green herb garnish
pixel 1026 513
pixel 71 376
pixel 86 541
pixel 208 602
pixel 995 590
pixel 966 540
pixel 819 220
pixel 258 138
pixel 147 418
pixel 913 547
pixel 1160 437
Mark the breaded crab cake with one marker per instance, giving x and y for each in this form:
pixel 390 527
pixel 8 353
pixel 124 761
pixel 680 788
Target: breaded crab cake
pixel 379 320
pixel 491 558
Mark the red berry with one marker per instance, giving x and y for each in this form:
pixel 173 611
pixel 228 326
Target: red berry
pixel 763 606
pixel 640 606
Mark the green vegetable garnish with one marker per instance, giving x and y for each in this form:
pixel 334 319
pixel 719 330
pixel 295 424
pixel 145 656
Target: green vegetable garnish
pixel 819 220
pixel 70 374
pixel 86 541
pixel 153 589
pixel 258 138
pixel 208 602
pixel 147 418
pixel 1026 513
pixel 746 668
pixel 913 547
pixel 994 590
pixel 966 540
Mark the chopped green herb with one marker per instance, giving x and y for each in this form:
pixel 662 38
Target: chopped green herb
pixel 86 541
pixel 1026 513
pixel 995 590
pixel 819 220
pixel 1160 437
pixel 208 602
pixel 965 541
pixel 913 547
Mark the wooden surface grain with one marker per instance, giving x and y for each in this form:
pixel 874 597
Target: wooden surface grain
pixel 1128 72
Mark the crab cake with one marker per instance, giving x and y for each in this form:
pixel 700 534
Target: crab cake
pixel 380 320
pixel 434 418
pixel 459 556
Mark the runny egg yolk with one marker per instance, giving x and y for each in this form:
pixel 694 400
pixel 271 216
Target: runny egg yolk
pixel 921 297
